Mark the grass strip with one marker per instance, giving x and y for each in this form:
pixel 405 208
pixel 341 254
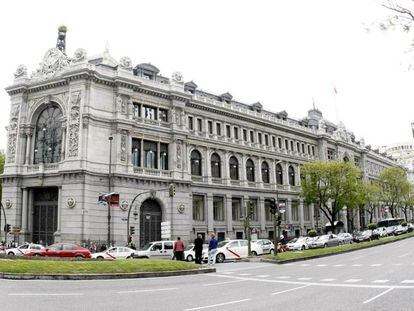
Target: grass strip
pixel 286 256
pixel 92 267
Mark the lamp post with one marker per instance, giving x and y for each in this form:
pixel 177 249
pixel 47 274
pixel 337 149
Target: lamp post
pixel 110 138
pixel 276 216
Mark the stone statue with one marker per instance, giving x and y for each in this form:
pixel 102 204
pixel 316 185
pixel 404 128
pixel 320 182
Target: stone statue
pixel 177 77
pixel 79 55
pixel 21 72
pixel 125 63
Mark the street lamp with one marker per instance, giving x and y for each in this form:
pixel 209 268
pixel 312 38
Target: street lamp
pixel 276 216
pixel 110 138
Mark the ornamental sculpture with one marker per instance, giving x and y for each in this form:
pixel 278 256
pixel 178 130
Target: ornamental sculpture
pixel 177 77
pixel 79 56
pixel 74 120
pixel 53 62
pixel 125 63
pixel 12 134
pixel 21 72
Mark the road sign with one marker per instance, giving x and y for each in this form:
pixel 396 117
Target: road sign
pixel 282 208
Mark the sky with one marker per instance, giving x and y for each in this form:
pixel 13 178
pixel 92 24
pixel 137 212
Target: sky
pixel 285 54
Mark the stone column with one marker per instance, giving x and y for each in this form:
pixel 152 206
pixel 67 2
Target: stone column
pixel 262 214
pixel 301 217
pixel 285 174
pixel 225 169
pixel 297 177
pixel 210 212
pixel 207 166
pixel 258 173
pixel 272 173
pixel 242 167
pixel 289 211
pixel 312 214
pixel 158 153
pixel 229 213
pixel 29 135
pixel 25 208
pixel 63 151
pixel 141 159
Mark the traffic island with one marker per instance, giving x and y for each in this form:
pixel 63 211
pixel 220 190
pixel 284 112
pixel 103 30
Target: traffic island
pixel 91 269
pixel 288 257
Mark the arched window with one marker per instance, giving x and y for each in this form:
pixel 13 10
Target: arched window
pixel 234 168
pixel 48 141
pixel 249 170
pixel 346 159
pixel 195 163
pixel 215 166
pixel 291 176
pixel 279 174
pixel 265 172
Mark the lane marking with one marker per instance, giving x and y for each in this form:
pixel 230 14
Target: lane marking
pixel 353 280
pixel 405 255
pixel 263 276
pixel 397 264
pixel 289 290
pixel 304 279
pixel 221 283
pixel 328 280
pixel 250 268
pixel 408 282
pixel 376 265
pixel 380 281
pixel 379 295
pixel 218 304
pixel 45 294
pixel 146 290
pixel 283 277
pixel 305 265
pixel 340 265
pixel 245 274
pixel 357 265
pixel 322 265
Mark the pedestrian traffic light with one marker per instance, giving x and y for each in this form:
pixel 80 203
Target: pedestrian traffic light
pixel 131 230
pixel 171 190
pixel 7 228
pixel 129 239
pixel 273 206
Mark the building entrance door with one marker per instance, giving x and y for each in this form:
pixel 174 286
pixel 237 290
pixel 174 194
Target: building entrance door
pixel 45 210
pixel 150 222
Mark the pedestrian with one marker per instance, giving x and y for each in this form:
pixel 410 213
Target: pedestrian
pixel 212 250
pixel 178 249
pixel 198 249
pixel 133 246
pixel 282 239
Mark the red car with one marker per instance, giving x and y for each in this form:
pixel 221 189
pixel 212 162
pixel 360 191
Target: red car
pixel 62 250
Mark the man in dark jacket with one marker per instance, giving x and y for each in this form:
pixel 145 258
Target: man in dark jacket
pixel 198 249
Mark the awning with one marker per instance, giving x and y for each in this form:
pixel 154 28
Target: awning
pixel 337 223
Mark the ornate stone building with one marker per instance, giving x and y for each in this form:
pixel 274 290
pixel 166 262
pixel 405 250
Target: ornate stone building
pixel 219 152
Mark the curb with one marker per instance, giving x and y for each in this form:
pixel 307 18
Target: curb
pixel 329 254
pixel 139 275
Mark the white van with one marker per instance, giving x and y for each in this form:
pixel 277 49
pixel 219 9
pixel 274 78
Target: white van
pixel 231 249
pixel 157 249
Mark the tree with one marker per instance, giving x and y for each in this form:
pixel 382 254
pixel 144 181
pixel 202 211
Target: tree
pixel 2 161
pixel 393 188
pixel 402 15
pixel 329 185
pixel 407 200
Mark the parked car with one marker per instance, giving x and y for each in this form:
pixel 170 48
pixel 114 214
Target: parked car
pixel 62 250
pixel 325 241
pixel 410 227
pixel 115 252
pixel 23 249
pixel 156 249
pixel 381 231
pixel 345 238
pixel 391 230
pixel 299 244
pixel 231 249
pixel 189 253
pixel 262 246
pixel 400 229
pixel 366 235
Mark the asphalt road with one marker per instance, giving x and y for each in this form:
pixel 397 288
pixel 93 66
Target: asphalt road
pixel 380 278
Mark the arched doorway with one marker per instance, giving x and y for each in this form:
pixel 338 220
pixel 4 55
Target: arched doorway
pixel 45 211
pixel 150 222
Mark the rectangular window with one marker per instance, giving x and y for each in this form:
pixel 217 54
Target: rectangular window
pixel 236 209
pixel 244 134
pixel 297 147
pixel 218 129
pixel 274 141
pixel 286 144
pixel 279 142
pixel 251 136
pixel 136 152
pixel 295 211
pixel 309 152
pixel 150 154
pixel 254 211
pixel 259 138
pixel 313 150
pixel 149 113
pixel 164 156
pixel 163 115
pixel 198 207
pixel 137 110
pixel 266 140
pixel 306 212
pixel 291 145
pixel 210 127
pixel 236 132
pixel 357 161
pixel 190 123
pixel 199 125
pixel 268 215
pixel 303 148
pixel 331 154
pixel 218 208
pixel 228 131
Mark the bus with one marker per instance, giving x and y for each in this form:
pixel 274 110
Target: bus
pixel 390 222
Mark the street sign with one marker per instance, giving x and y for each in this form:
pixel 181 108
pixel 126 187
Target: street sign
pixel 282 208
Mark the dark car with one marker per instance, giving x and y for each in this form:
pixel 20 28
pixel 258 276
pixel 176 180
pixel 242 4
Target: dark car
pixel 62 250
pixel 366 235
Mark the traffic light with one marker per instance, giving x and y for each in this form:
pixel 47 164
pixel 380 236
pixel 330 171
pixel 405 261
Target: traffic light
pixel 273 206
pixel 129 239
pixel 7 228
pixel 131 230
pixel 171 190
pixel 251 208
pixel 279 220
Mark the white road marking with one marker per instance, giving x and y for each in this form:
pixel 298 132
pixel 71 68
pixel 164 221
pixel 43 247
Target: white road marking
pixel 375 297
pixel 408 282
pixel 304 279
pixel 218 304
pixel 245 274
pixel 376 265
pixel 380 281
pixel 221 283
pixel 405 255
pixel 146 290
pixel 397 264
pixel 283 277
pixel 289 290
pixel 352 280
pixel 340 265
pixel 356 265
pixel 322 265
pixel 305 265
pixel 327 280
pixel 263 276
pixel 288 264
pixel 45 294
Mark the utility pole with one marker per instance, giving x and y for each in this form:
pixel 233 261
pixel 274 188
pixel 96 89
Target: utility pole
pixel 110 138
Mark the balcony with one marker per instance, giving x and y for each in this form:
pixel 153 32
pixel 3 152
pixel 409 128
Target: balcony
pixel 217 181
pixel 151 172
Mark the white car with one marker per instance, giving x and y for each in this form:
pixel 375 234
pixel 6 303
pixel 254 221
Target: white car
pixel 156 249
pixel 299 244
pixel 23 249
pixel 231 249
pixel 189 253
pixel 115 253
pixel 381 231
pixel 262 246
pixel 345 238
pixel 401 230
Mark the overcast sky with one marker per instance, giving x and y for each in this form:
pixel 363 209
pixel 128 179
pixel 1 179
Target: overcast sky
pixel 281 53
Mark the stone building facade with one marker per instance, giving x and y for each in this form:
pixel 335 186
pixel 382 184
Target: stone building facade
pixel 219 152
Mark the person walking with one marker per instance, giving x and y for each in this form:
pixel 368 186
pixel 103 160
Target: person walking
pixel 198 249
pixel 178 249
pixel 212 250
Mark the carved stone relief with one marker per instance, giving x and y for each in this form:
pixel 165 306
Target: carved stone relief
pixel 121 104
pixel 21 72
pixel 123 147
pixel 74 120
pixel 12 134
pixel 53 62
pixel 179 154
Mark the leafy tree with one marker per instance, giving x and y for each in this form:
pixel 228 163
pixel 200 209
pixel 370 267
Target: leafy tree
pixel 402 15
pixel 393 188
pixel 2 161
pixel 407 202
pixel 330 186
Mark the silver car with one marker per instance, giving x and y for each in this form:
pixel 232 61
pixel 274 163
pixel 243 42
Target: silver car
pixel 345 238
pixel 325 241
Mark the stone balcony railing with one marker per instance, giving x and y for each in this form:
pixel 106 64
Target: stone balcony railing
pixel 151 172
